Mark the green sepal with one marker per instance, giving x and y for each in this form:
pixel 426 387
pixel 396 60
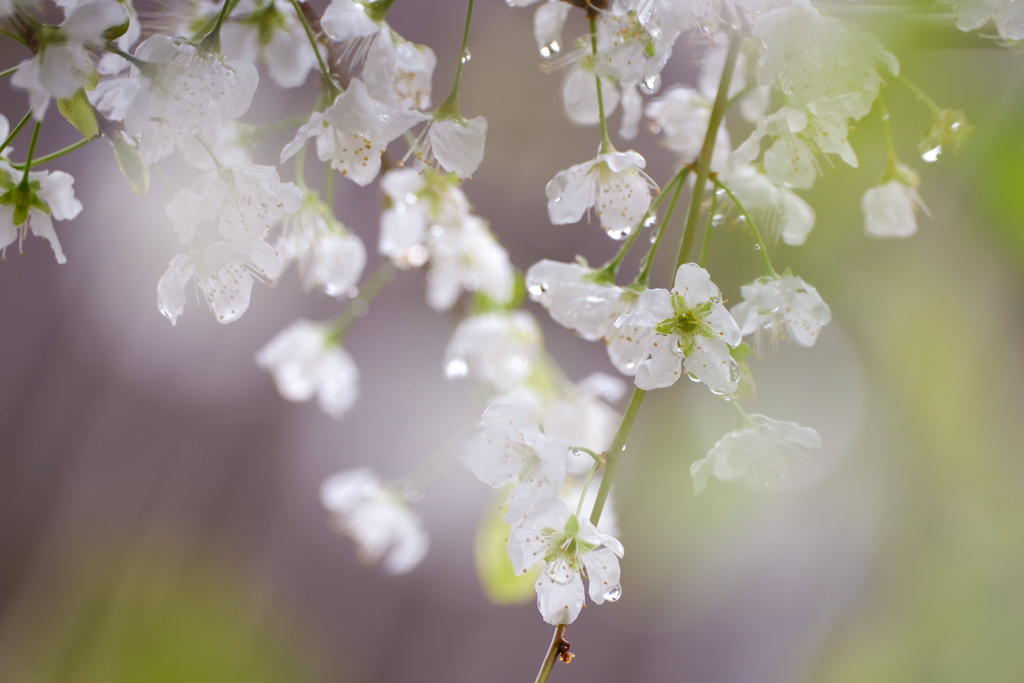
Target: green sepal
pixel 133 168
pixel 23 196
pixel 572 526
pixel 500 583
pixel 115 32
pixel 79 113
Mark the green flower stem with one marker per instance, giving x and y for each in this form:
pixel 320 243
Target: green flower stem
pixel 920 94
pixel 606 143
pixel 163 177
pixel 57 154
pixel 449 109
pixel 31 151
pixel 8 72
pixel 890 148
pixel 586 485
pixel 598 458
pixel 300 168
pixel 329 85
pixel 14 133
pixel 645 273
pixel 610 269
pixel 329 187
pixel 14 36
pixel 704 161
pixel 613 453
pixel 753 228
pixel 708 230
pixel 738 96
pixel 211 43
pixel 559 647
pixel 372 286
pixel 131 59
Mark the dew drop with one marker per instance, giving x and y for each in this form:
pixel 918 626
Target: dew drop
pixel 932 154
pixel 619 233
pixel 651 84
pixel 536 289
pixel 466 56
pixel 757 247
pixel 693 377
pixel 552 48
pixel 717 219
pixel 650 220
pixel 654 237
pixel 614 594
pixel 456 368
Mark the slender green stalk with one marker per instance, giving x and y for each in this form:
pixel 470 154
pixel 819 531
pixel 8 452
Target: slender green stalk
pixel 31 151
pixel 8 72
pixel 598 458
pixel 738 96
pixel 15 36
pixel 708 230
pixel 372 286
pixel 890 148
pixel 131 59
pixel 300 167
pixel 613 453
pixel 211 42
pixel 163 177
pixel 329 187
pixel 645 273
pixel 606 143
pixel 14 133
pixel 332 89
pixel 559 647
pixel 611 268
pixel 586 485
pixel 761 247
pixel 704 161
pixel 920 94
pixel 449 109
pixel 58 153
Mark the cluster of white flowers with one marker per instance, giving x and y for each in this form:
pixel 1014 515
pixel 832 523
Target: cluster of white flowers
pixel 798 76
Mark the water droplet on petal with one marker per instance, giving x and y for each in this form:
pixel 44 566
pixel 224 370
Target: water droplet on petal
pixel 456 368
pixel 693 377
pixel 536 289
pixel 619 233
pixel 650 220
pixel 614 594
pixel 651 84
pixel 932 154
pixel 466 56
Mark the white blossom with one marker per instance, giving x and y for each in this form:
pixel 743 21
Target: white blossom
pixel 62 63
pixel 569 547
pixel 180 91
pixel 499 350
pixel 377 518
pixel 328 255
pixel 889 210
pixel 779 307
pixel 240 203
pixel 777 210
pixel 33 206
pixel 353 133
pixel 760 453
pixel 692 330
pixel 270 30
pixel 613 183
pixel 509 448
pixel 306 361
pixel 223 272
pixel 467 256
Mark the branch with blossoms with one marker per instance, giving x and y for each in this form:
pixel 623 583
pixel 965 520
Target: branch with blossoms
pixel 796 77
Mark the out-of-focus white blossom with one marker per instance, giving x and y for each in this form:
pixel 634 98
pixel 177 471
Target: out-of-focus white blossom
pixel 760 453
pixel 306 361
pixel 781 307
pixel 328 255
pixel 499 350
pixel 47 196
pixel 377 518
pixel 889 210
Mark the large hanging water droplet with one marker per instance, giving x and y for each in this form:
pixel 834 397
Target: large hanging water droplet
pixel 457 367
pixel 614 594
pixel 619 233
pixel 651 84
pixel 536 289
pixel 932 154
pixel 552 48
pixel 717 219
pixel 466 56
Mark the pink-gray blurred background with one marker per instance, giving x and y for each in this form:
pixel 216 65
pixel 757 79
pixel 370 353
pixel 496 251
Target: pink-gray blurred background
pixel 159 512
